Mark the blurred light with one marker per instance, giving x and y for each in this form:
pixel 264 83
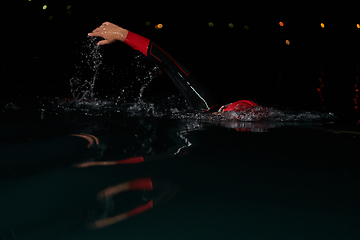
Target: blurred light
pixel 231 25
pixel 211 24
pixel 358 25
pixel 51 18
pixel 68 7
pixel 322 25
pixel 44 7
pixel 148 23
pixel 246 27
pixel 281 24
pixel 287 42
pixel 159 26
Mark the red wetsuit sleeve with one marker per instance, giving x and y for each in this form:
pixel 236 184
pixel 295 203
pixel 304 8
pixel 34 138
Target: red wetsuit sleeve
pixel 132 160
pixel 141 209
pixel 137 42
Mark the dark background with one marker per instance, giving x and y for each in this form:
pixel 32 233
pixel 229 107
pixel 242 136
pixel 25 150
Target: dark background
pixel 41 48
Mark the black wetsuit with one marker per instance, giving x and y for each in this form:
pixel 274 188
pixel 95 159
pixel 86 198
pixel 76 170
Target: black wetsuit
pixel 197 96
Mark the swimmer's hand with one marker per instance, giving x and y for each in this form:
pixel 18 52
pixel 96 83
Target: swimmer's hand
pixel 110 32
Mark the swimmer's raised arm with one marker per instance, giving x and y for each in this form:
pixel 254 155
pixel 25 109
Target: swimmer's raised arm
pixel 197 96
pixel 110 32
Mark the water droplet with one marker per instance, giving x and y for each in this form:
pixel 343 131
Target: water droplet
pixel 82 85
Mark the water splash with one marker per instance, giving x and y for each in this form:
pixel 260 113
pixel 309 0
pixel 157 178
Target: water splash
pixel 142 75
pixel 82 84
pixel 259 119
pixel 146 79
pixel 137 77
pixel 287 115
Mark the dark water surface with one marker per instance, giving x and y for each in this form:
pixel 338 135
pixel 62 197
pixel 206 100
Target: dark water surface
pixel 293 175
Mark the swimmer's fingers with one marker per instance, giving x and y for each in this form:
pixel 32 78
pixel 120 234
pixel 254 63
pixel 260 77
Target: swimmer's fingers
pixel 99 33
pixel 96 33
pixel 103 42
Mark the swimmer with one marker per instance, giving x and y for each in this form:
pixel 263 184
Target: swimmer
pixel 198 97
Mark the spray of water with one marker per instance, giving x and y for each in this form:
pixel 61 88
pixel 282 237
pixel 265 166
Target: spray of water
pixel 82 84
pixel 88 71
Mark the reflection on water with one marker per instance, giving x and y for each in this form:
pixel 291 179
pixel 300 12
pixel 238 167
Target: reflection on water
pixel 154 193
pixel 118 161
pixel 86 195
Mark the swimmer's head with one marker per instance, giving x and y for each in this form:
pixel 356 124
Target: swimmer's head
pixel 238 106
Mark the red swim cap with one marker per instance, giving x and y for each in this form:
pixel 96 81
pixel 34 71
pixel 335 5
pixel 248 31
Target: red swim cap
pixel 240 106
